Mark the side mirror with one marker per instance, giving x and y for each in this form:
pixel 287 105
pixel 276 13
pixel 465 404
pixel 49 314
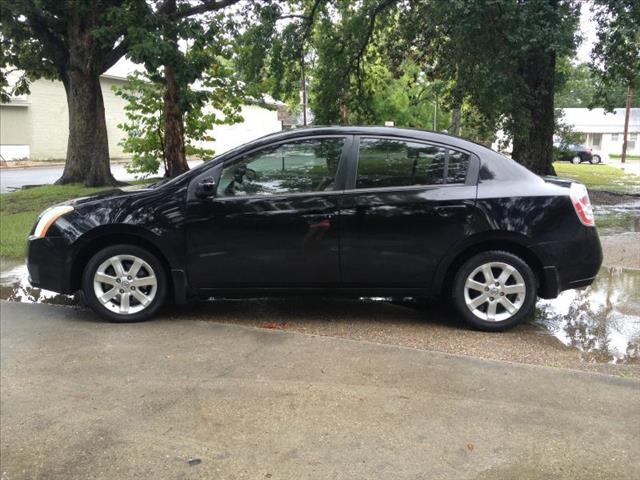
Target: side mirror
pixel 206 187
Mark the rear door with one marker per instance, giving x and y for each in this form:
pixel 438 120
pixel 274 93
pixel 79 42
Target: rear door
pixel 272 222
pixel 405 204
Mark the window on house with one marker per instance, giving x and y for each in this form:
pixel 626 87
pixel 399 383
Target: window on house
pixel 614 137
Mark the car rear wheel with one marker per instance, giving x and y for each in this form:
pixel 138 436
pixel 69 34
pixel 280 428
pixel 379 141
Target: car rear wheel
pixel 596 159
pixel 124 283
pixel 494 290
pixel 576 160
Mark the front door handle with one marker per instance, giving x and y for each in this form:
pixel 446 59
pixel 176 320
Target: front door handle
pixel 318 221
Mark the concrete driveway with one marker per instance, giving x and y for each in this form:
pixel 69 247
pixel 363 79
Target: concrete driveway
pixel 195 399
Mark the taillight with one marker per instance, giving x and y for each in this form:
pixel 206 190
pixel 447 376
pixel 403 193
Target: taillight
pixel 582 204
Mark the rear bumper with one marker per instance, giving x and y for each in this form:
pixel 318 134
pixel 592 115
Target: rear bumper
pixel 49 263
pixel 569 264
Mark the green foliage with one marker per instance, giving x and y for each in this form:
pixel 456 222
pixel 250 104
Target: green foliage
pixel 39 37
pixel 270 46
pixel 484 48
pixel 616 56
pixel 217 102
pixel 188 76
pixel 348 68
pixel 579 88
pixel 408 99
pixel 565 133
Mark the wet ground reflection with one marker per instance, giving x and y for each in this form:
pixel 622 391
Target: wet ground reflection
pixel 14 286
pixel 620 218
pixel 602 321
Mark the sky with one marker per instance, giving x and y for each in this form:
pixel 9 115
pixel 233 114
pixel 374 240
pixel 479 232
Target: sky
pixel 587 28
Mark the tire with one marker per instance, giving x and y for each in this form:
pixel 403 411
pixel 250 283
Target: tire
pixel 147 284
pixel 492 312
pixel 595 160
pixel 576 160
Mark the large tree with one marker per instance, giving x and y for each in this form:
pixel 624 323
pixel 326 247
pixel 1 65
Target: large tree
pixel 75 41
pixel 616 55
pixel 496 59
pixel 500 56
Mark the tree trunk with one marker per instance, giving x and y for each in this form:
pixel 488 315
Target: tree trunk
pixel 174 148
pixel 533 137
pixel 87 147
pixel 456 115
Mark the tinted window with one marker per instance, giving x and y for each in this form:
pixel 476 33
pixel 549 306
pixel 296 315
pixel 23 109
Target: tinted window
pixel 457 166
pixel 296 167
pixel 397 163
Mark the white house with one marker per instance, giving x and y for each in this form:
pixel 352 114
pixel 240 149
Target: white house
pixel 36 127
pixel 603 131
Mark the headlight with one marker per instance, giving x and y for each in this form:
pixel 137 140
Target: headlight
pixel 48 218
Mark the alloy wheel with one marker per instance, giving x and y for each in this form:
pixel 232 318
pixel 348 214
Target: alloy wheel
pixel 125 284
pixel 495 291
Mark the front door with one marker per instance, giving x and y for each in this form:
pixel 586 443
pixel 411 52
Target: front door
pixel 273 220
pixel 407 205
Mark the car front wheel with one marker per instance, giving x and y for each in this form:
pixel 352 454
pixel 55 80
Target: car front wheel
pixel 124 283
pixel 576 160
pixel 494 290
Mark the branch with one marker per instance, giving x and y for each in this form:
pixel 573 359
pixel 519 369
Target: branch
pixel 205 6
pixel 355 62
pixel 115 54
pixel 49 39
pixel 310 18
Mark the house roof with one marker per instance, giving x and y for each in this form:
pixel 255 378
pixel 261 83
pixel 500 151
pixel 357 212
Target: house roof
pixel 599 121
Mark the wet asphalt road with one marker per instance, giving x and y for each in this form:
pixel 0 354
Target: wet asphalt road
pixel 87 399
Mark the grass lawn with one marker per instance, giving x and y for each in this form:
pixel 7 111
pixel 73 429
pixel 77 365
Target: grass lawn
pixel 19 210
pixel 599 177
pixel 629 157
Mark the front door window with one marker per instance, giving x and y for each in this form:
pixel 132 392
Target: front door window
pixel 297 167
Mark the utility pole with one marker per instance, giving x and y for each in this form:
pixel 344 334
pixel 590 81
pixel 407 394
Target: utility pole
pixel 304 95
pixel 435 113
pixel 626 124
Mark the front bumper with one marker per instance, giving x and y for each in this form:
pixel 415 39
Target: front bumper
pixel 49 263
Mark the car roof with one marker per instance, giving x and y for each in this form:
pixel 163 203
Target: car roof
pixel 509 169
pixel 416 133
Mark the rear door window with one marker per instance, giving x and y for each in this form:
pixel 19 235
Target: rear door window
pixel 401 163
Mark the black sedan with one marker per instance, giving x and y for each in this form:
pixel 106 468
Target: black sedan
pixel 575 154
pixel 340 210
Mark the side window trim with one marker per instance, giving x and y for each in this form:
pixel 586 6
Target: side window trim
pixel 340 178
pixel 470 180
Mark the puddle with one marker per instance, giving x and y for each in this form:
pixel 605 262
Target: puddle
pixel 602 321
pixel 620 218
pixel 14 286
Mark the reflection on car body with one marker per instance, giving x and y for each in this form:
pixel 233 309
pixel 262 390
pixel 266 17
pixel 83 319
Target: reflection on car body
pixel 339 210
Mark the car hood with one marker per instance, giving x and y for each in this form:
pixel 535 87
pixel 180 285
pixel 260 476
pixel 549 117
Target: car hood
pixel 115 193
